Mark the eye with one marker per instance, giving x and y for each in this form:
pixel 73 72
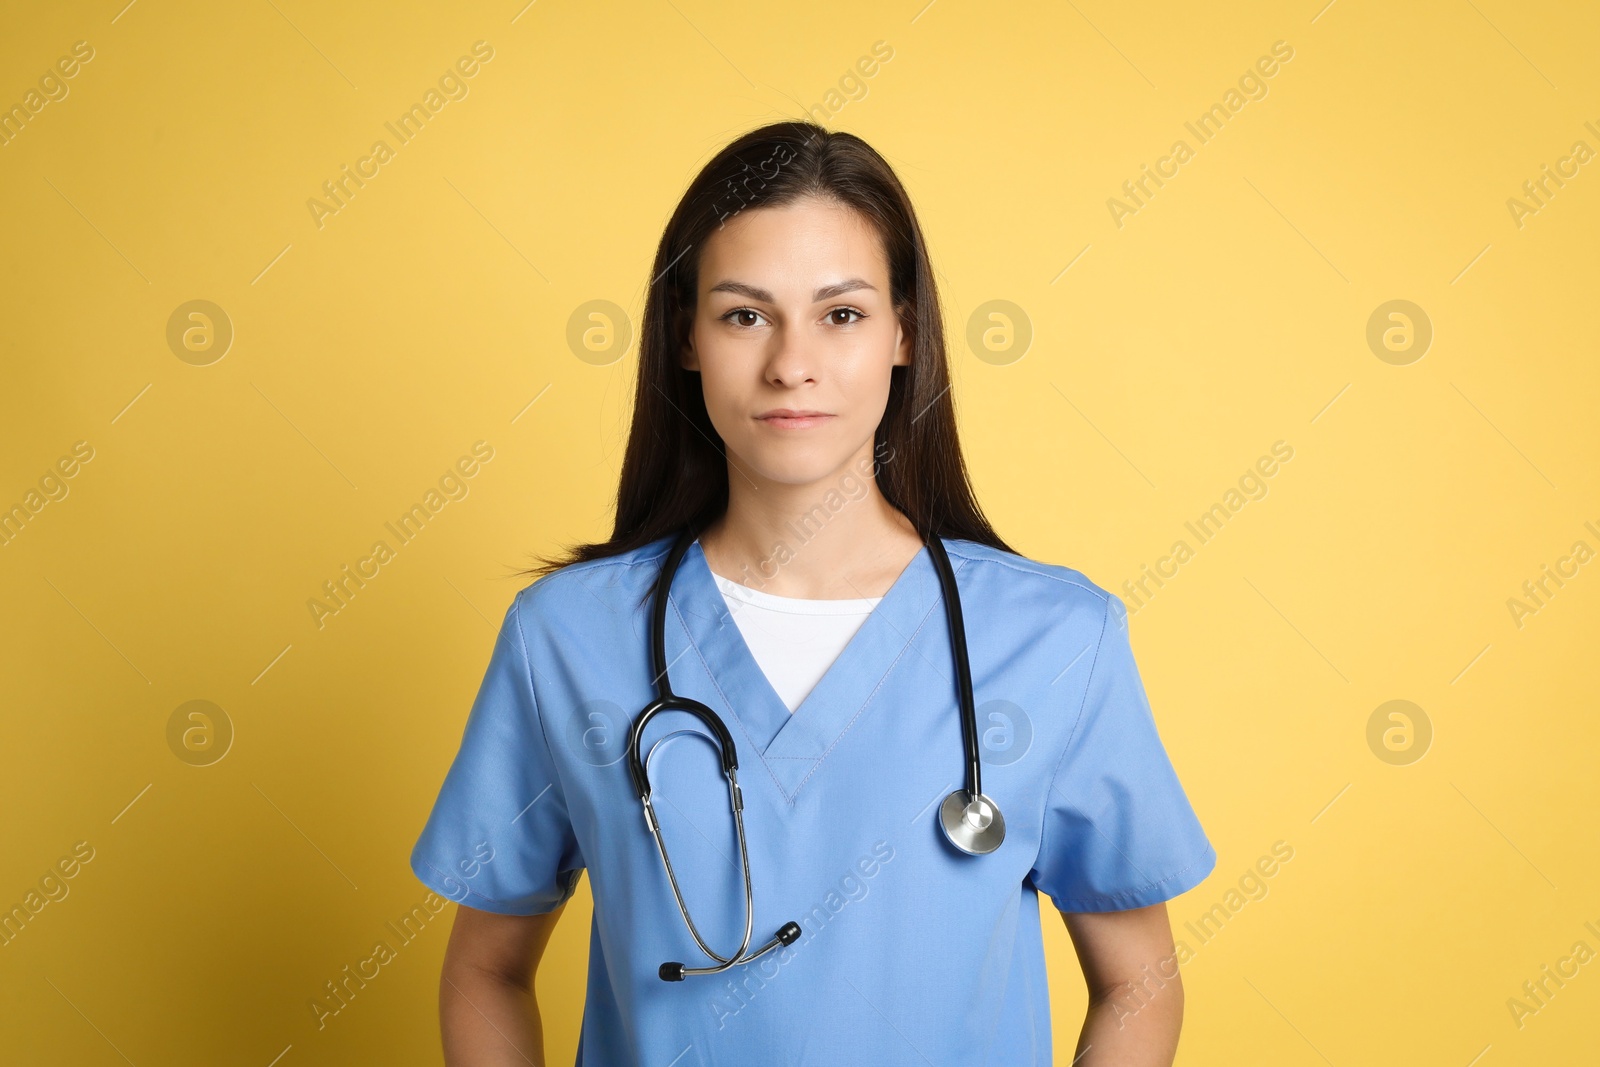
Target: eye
pixel 859 315
pixel 727 316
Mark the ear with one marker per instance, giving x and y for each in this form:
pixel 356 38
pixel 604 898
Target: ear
pixel 688 358
pixel 903 340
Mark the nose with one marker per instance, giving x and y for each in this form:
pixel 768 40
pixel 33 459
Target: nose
pixel 791 359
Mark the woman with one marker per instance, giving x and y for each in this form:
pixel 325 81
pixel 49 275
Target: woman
pixel 793 414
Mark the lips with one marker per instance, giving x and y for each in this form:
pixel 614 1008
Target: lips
pixel 792 419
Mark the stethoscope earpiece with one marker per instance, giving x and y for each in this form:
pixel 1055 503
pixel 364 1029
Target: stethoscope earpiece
pixel 788 934
pixel 971 820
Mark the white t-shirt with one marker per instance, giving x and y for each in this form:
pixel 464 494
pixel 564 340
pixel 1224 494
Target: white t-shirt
pixel 794 640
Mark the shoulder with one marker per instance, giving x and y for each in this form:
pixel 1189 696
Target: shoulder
pixel 615 585
pixel 1011 581
pixel 1024 572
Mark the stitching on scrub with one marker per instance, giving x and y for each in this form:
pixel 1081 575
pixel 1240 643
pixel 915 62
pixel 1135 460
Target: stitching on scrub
pixel 555 771
pixel 1050 784
pixel 673 603
pixel 789 798
pixel 527 660
pixel 903 650
pixel 1101 593
pixel 572 571
pixel 1095 826
pixel 471 892
pixel 1112 898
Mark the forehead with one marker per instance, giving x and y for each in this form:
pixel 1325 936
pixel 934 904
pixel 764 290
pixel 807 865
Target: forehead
pixel 794 249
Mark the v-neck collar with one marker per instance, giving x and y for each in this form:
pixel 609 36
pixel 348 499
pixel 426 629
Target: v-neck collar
pixel 794 744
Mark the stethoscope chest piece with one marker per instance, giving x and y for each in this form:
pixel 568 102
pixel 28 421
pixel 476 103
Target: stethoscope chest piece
pixel 973 824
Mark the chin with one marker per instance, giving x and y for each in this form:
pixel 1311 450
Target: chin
pixel 794 466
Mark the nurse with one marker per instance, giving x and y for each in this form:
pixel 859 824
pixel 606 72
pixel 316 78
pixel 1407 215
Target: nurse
pixel 793 413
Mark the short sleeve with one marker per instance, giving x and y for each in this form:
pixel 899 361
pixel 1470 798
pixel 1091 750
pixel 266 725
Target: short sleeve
pixel 1118 829
pixel 499 837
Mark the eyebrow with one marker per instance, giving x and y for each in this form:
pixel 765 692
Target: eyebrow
pixel 827 292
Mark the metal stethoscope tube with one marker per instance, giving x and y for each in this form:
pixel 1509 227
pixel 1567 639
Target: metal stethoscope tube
pixel 971 821
pixel 677 971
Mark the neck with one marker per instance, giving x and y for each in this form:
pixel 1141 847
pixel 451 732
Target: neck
pixel 833 539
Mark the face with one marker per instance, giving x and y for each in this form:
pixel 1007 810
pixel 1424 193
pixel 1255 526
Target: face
pixel 794 336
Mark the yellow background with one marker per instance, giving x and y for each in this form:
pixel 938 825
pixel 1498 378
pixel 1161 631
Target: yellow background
pixel 369 354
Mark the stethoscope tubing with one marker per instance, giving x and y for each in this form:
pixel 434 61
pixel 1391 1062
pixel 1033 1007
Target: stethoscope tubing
pixel 724 962
pixel 971 821
pixel 958 641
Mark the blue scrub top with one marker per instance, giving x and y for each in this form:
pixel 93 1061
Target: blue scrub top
pixel 912 952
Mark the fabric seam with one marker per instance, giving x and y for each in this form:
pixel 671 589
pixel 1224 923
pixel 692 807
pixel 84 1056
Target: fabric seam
pixel 473 893
pixel 872 695
pixel 538 715
pixel 1050 784
pixel 1131 893
pixel 1101 593
pixel 717 685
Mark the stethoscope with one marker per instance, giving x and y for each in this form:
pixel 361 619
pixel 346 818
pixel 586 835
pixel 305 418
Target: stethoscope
pixel 972 822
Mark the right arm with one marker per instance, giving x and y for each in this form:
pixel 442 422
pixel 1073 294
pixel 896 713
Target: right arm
pixel 488 1016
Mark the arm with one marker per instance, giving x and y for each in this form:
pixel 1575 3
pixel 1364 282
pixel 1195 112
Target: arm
pixel 1135 991
pixel 488 1016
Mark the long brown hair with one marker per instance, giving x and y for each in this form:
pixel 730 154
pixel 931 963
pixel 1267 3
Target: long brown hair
pixel 674 471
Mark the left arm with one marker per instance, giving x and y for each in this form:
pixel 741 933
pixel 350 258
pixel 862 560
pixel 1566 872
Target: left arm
pixel 1135 992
